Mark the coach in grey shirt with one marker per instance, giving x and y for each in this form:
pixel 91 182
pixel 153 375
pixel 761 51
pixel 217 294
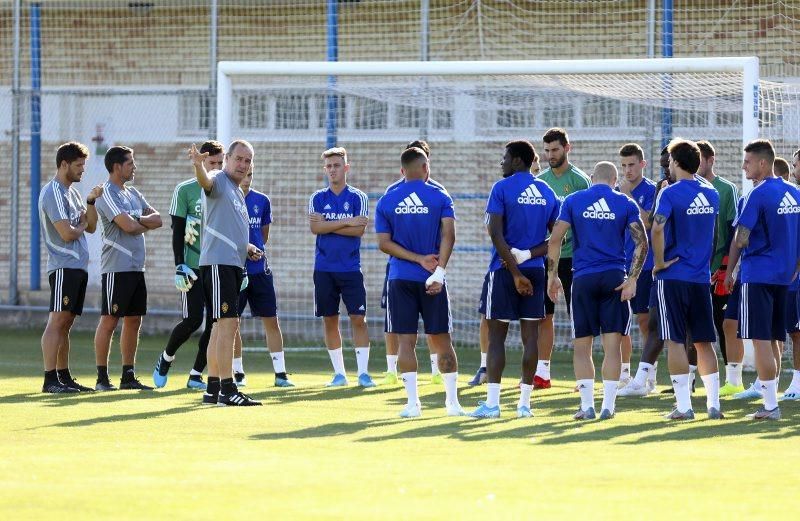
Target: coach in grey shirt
pixel 223 254
pixel 126 216
pixel 64 218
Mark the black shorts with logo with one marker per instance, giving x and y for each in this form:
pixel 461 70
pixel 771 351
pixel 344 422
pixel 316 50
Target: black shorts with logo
pixel 124 294
pixel 68 290
pixel 221 284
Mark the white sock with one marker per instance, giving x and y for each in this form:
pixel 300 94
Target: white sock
pixel 586 388
pixel 391 363
pixel 483 359
pixel 450 388
pixel 434 364
pixel 733 374
pixel 238 365
pixel 711 383
pixel 362 360
pixel 652 376
pixel 625 372
pixel 337 359
pixel 609 395
pixel 543 369
pixel 795 379
pixel 166 357
pixel 492 395
pixel 642 373
pixel 525 395
pixel 192 372
pixel 692 375
pixel 410 383
pixel 770 391
pixel 680 382
pixel 278 362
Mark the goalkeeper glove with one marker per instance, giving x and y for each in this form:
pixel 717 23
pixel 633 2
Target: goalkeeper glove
pixel 521 255
pixel 184 277
pixel 438 276
pixel 191 231
pixel 245 282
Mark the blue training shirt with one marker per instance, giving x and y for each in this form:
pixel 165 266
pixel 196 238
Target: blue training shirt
pixel 691 207
pixel 528 207
pixel 771 211
pixel 644 195
pixel 259 213
pixel 430 181
pixel 334 252
pixel 598 217
pixel 411 214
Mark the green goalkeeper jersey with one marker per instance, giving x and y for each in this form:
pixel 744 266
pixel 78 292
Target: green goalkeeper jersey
pixel 728 195
pixel 571 181
pixel 186 204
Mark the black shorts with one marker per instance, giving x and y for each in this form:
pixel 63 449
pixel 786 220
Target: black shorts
pixel 565 275
pixel 193 302
pixel 124 294
pixel 68 290
pixel 221 284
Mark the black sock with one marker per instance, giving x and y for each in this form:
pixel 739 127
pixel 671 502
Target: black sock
pixel 51 377
pixel 280 375
pixel 64 376
pixel 102 373
pixel 128 373
pixel 227 386
pixel 212 387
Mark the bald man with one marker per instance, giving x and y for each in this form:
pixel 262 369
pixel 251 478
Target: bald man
pixel 599 218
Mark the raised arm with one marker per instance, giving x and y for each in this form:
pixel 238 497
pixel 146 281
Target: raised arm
pixel 206 181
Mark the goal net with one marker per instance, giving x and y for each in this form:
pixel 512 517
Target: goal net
pixel 466 111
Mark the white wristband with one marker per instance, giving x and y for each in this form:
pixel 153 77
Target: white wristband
pixel 521 255
pixel 438 276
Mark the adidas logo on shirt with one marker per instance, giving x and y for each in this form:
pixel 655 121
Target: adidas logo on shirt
pixel 327 207
pixel 411 204
pixel 599 210
pixel 699 206
pixel 531 195
pixel 788 205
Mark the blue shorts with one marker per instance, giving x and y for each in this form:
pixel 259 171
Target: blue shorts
pixel 407 300
pixel 653 303
pixel 792 312
pixel 685 307
pixel 640 303
pixel 762 311
pixel 260 293
pixel 502 302
pixel 732 307
pixel 332 286
pixel 596 305
pixel 385 289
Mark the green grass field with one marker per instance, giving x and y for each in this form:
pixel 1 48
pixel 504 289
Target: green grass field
pixel 311 452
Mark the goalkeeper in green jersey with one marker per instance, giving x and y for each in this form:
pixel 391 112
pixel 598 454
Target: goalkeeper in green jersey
pixel 186 214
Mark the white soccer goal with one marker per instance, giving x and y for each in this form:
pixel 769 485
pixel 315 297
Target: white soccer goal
pixel 466 111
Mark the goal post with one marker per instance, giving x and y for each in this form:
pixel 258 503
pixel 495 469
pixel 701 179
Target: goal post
pixel 467 111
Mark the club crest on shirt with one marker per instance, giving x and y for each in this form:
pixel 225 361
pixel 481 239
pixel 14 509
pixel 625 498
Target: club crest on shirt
pixel 346 206
pixel 255 208
pixel 65 301
pixel 114 308
pixel 224 307
pixel 641 200
pixel 567 189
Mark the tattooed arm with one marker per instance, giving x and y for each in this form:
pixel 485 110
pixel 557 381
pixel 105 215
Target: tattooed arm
pixel 553 256
pixel 639 236
pixel 657 235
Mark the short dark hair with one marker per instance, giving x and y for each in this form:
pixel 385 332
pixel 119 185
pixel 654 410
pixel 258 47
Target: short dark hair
pixel 632 149
pixel 410 155
pixel 241 142
pixel 665 150
pixel 686 154
pixel 523 150
pixel 556 134
pixel 781 167
pixel 422 145
pixel 71 152
pixel 706 149
pixel 212 147
pixel 116 155
pixel 796 153
pixel 761 147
